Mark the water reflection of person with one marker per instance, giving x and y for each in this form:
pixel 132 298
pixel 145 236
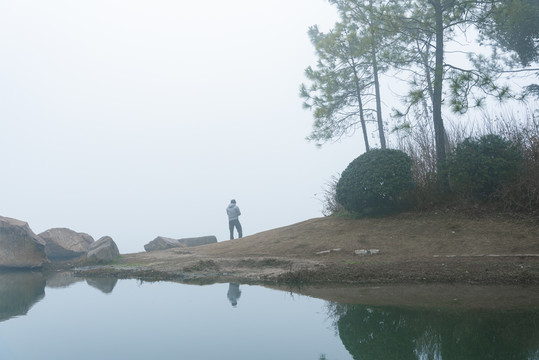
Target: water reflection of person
pixel 234 293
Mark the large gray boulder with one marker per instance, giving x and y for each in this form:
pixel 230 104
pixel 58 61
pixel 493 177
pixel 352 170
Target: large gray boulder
pixel 19 246
pixel 103 250
pixel 63 244
pixel 162 243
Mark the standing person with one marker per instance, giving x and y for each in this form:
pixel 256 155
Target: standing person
pixel 233 212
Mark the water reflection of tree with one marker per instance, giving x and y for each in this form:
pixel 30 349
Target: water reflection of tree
pixel 394 333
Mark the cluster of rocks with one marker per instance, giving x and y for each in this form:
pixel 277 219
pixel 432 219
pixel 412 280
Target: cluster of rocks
pixel 21 248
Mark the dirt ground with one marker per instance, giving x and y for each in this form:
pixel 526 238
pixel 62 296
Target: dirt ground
pixel 441 258
pixel 430 248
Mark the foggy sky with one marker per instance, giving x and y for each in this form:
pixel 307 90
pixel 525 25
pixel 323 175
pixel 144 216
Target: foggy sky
pixel 137 119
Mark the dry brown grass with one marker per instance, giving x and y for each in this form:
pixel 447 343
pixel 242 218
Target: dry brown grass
pixel 405 236
pixel 436 247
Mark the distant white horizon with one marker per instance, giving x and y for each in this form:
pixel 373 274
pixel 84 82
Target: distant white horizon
pixel 138 119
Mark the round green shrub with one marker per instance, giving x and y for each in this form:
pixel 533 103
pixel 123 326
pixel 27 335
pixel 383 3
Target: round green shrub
pixel 479 166
pixel 375 182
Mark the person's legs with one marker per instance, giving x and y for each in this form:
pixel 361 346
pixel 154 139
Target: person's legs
pixel 238 227
pixel 231 228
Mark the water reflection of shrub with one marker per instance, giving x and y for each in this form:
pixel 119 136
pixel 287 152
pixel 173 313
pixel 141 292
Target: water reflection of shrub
pixel 395 333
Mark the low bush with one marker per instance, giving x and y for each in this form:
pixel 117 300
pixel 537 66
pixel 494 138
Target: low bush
pixel 329 202
pixel 522 194
pixel 376 182
pixel 478 167
pixel 516 127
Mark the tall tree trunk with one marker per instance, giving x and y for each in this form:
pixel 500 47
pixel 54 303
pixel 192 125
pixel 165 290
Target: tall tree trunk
pixel 360 103
pixel 378 96
pixel 374 53
pixel 428 75
pixel 439 130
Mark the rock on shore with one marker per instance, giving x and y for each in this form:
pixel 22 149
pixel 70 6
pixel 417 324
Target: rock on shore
pixel 63 244
pixel 19 246
pixel 162 243
pixel 102 250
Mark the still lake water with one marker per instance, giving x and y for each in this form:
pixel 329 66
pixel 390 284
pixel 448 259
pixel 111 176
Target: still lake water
pixel 71 318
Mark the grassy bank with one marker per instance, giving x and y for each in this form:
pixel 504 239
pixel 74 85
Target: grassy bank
pixel 421 248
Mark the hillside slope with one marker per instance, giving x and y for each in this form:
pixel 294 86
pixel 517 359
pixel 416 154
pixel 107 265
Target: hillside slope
pixel 412 248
